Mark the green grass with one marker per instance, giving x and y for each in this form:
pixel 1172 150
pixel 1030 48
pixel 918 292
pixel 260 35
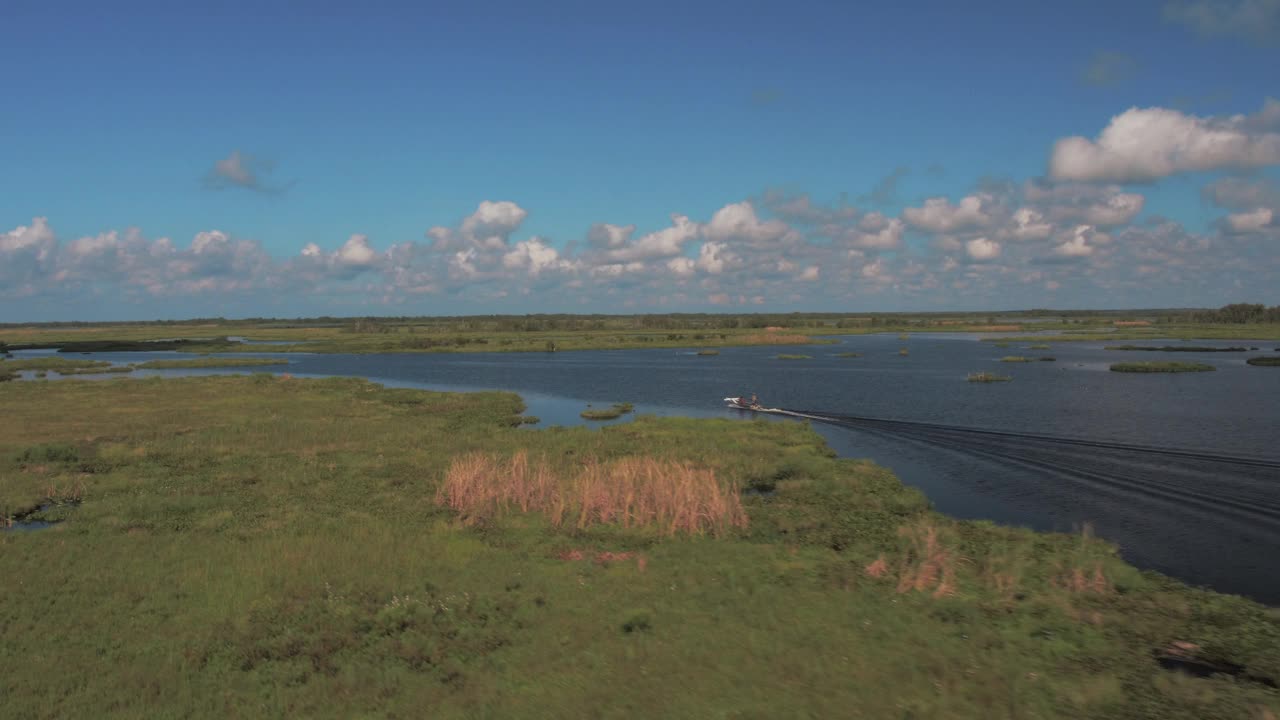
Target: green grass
pixel 209 362
pixel 1016 359
pixel 1264 361
pixel 616 410
pixel 785 356
pixel 51 363
pixel 986 377
pixel 95 370
pixel 1160 367
pixel 252 546
pixel 1038 346
pixel 848 355
pixel 1175 348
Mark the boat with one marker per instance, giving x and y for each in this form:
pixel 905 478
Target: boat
pixel 742 403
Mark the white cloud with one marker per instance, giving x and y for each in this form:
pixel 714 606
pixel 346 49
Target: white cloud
pixel 982 249
pixel 1251 221
pixel 1079 242
pixel 738 222
pixel 664 243
pixel 1029 224
pixel 939 215
pixel 1147 144
pixel 604 235
pixel 355 252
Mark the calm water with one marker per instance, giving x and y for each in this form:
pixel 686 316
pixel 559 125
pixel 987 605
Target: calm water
pixel 1208 512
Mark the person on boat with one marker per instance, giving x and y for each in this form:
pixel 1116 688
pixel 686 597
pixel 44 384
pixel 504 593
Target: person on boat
pixel 755 403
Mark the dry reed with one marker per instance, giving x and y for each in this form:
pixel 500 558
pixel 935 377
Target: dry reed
pixel 675 497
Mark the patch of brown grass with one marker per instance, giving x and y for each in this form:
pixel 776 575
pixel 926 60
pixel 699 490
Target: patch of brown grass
pixel 633 492
pixel 1079 580
pixel 927 563
pixel 878 568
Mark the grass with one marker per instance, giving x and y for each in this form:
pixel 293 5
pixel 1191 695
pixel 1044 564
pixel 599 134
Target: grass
pixel 1038 346
pixel 1264 361
pixel 1016 359
pixel 1160 367
pixel 670 496
pixel 614 411
pixel 113 369
pixel 986 377
pixel 848 355
pixel 51 363
pixel 785 356
pixel 261 546
pixel 1176 348
pixel 210 362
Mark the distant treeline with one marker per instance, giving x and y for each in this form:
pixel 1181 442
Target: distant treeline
pixel 1237 314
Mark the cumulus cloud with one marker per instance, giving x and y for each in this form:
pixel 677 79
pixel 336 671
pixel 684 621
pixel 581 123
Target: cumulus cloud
pixel 982 249
pixel 939 215
pixel 1256 20
pixel 1105 206
pixel 1146 144
pixel 1251 221
pixel 738 221
pixel 241 170
pixel 886 190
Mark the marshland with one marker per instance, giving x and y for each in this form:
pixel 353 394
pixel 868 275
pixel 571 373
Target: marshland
pixel 289 538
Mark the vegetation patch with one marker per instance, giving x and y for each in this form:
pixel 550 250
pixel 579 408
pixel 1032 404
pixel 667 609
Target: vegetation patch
pixel 986 377
pixel 209 362
pixel 1038 346
pixel 114 369
pixel 250 546
pixel 663 494
pixel 708 352
pixel 848 355
pixel 51 363
pixel 1161 367
pixel 1264 361
pixel 1016 359
pixel 616 410
pixel 785 356
pixel 1176 348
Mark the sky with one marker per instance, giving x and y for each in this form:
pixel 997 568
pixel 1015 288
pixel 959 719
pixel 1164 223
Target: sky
pixel 168 160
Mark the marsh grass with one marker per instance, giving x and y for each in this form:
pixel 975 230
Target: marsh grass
pixel 249 546
pixel 786 356
pixel 112 370
pixel 1038 346
pixel 210 362
pixel 51 363
pixel 848 355
pixel 1264 361
pixel 616 410
pixel 1016 359
pixel 1175 348
pixel 706 353
pixel 669 496
pixel 1161 367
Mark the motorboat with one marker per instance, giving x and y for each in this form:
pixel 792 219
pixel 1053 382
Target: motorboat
pixel 742 403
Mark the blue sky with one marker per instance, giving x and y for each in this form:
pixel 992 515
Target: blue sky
pixel 264 128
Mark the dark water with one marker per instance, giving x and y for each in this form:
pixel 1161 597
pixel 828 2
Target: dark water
pixel 1182 471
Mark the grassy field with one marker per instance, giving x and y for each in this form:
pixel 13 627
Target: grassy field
pixel 1161 367
pixel 248 546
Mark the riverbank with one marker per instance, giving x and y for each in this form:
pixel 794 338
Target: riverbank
pixel 259 545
